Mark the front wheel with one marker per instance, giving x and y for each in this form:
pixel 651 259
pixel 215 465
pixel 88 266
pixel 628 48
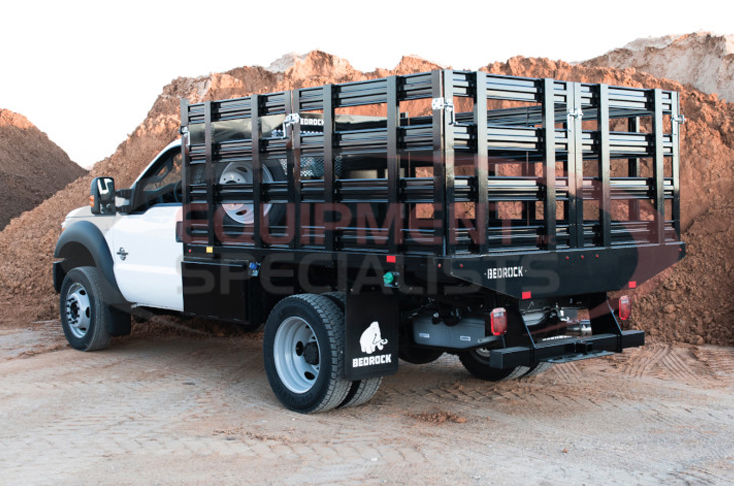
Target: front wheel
pixel 303 348
pixel 85 318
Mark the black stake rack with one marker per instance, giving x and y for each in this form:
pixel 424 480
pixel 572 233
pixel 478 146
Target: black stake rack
pixel 445 164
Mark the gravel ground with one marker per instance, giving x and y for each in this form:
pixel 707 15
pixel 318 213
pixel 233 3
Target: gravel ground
pixel 185 409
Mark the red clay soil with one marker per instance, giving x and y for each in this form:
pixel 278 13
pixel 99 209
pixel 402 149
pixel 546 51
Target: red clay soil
pixel 32 167
pixel 689 303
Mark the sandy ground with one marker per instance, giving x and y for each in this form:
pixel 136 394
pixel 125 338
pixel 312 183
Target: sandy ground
pixel 177 409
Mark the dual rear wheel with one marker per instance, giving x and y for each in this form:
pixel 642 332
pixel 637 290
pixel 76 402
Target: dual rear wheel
pixel 303 348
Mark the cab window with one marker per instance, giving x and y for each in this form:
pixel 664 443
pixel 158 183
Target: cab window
pixel 162 183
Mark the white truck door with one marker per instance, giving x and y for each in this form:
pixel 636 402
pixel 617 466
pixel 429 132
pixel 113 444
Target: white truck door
pixel 148 257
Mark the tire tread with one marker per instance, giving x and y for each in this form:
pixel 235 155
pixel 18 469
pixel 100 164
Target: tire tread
pixel 361 392
pixel 482 370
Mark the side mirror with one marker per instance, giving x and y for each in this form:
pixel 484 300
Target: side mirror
pixel 102 195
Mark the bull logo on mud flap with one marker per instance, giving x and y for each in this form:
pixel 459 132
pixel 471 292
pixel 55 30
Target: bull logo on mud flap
pixel 370 341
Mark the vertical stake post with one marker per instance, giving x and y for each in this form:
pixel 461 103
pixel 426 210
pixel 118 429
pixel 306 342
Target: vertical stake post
pixel 605 197
pixel 675 122
pixel 209 168
pixel 658 167
pixel 549 166
pixel 439 168
pixel 256 169
pixel 329 186
pixel 393 162
pixel 481 211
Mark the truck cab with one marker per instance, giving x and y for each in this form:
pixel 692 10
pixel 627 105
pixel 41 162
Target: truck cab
pixel 137 227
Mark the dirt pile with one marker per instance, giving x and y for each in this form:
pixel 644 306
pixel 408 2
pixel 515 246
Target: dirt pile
pixel 32 167
pixel 703 60
pixel 693 288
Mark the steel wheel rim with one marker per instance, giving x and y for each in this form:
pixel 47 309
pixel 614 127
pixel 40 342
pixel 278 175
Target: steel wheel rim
pixel 241 173
pixel 295 343
pixel 78 310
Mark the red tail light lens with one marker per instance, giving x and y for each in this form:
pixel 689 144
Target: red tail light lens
pixel 625 308
pixel 498 321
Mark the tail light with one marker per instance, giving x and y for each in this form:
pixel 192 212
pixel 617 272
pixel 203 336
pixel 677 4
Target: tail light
pixel 498 321
pixel 625 308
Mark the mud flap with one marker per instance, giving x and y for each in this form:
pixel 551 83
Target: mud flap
pixel 121 322
pixel 371 335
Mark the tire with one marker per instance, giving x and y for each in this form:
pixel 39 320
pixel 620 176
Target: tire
pixel 303 349
pixel 476 362
pixel 85 318
pixel 538 369
pixel 361 391
pixel 241 214
pixel 339 298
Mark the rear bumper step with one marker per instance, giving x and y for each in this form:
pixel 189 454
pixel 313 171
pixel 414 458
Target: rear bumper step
pixel 566 350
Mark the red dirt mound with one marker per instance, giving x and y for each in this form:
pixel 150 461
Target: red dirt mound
pixel 32 167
